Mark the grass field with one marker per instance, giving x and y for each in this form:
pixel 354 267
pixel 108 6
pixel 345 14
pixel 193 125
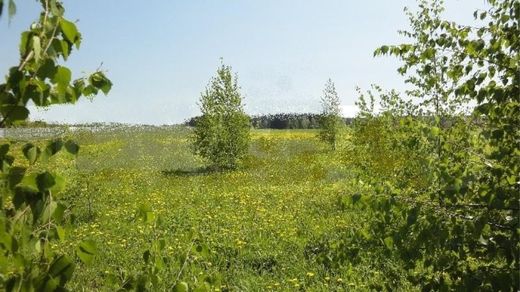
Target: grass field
pixel 257 228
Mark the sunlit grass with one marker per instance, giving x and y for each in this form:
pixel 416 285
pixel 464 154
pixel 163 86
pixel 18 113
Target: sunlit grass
pixel 258 221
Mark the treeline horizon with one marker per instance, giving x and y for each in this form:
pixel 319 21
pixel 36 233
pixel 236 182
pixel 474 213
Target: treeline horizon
pixel 281 121
pixel 278 121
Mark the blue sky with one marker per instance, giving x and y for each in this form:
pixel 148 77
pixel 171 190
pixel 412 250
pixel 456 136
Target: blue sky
pixel 161 54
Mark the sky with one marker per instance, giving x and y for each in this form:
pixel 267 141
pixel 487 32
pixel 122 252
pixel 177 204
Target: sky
pixel 161 54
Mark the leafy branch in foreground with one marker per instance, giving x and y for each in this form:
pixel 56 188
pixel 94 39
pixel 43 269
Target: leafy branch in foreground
pixel 31 212
pixel 39 77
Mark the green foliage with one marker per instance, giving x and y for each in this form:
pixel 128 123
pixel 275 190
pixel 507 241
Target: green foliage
pixel 31 213
pixel 39 77
pixel 382 146
pixel 29 223
pixel 330 119
pixel 221 134
pixel 11 8
pixel 454 226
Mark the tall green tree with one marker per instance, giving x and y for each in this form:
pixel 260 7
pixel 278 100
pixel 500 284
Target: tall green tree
pixel 330 119
pixel 462 232
pixel 457 227
pixel 221 134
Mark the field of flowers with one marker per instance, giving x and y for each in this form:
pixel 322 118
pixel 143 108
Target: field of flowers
pixel 261 227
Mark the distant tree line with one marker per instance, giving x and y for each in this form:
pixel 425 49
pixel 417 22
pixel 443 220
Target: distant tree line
pixel 282 121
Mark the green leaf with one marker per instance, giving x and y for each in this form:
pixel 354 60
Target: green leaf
pixel 14 112
pixel 61 232
pixel 56 8
pixel 37 48
pixel 15 77
pixel 47 69
pixel 53 147
pixel 512 179
pixel 32 92
pixel 69 30
pixel 19 198
pixel 145 213
pixel 429 53
pixel 435 131
pixel 58 212
pixel 355 198
pixel 6 163
pixel 86 251
pixel 389 242
pixel 62 78
pixel 65 49
pixel 31 152
pixel 89 90
pixel 15 176
pixel 48 211
pixel 11 9
pixel 51 285
pixel 78 86
pixel 181 287
pixel 24 40
pixel 45 181
pixel 149 217
pixel 59 184
pixel 100 81
pixel 483 241
pixel 62 267
pixel 146 256
pixel 4 149
pixel 29 182
pixel 72 147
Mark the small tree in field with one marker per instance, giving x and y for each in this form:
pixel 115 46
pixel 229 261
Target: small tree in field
pixel 330 120
pixel 222 132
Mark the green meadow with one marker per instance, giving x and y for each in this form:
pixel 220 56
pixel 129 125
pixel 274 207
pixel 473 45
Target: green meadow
pixel 419 192
pixel 257 228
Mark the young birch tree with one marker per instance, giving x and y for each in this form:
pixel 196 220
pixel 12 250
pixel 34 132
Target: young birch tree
pixel 222 132
pixel 330 120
